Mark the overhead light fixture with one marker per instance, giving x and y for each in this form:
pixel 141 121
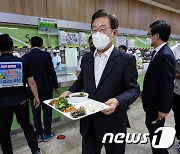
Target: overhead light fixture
pixel 8 28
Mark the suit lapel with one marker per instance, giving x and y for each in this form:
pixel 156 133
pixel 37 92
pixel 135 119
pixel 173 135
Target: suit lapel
pixel 156 56
pixel 152 61
pixel 91 71
pixel 110 63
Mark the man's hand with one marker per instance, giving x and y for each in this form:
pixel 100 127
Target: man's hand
pixel 140 95
pixel 65 94
pixel 113 102
pixel 161 115
pixel 178 76
pixel 36 102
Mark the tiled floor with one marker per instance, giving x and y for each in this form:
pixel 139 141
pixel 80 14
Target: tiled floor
pixel 72 143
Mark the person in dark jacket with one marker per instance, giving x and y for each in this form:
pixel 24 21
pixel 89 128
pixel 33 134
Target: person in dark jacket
pixel 157 95
pixel 176 95
pixel 45 77
pixel 108 76
pixel 14 74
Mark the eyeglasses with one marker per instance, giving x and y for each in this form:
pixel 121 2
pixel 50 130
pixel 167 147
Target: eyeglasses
pixel 101 29
pixel 148 34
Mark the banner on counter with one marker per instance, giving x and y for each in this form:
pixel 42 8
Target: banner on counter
pixel 11 74
pixel 47 26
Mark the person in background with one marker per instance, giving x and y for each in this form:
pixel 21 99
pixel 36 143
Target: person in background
pixel 108 76
pixel 56 61
pixel 176 95
pixel 92 49
pixel 122 48
pixel 157 94
pixel 45 77
pixel 139 59
pixel 14 96
pixel 16 54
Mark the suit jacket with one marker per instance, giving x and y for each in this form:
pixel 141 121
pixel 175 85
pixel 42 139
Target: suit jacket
pixel 119 80
pixel 43 71
pixel 159 82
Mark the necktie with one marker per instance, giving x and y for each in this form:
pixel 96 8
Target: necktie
pixel 153 53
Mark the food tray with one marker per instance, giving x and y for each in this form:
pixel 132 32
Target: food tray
pixel 101 106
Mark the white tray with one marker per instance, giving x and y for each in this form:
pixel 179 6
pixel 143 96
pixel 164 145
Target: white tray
pixel 77 105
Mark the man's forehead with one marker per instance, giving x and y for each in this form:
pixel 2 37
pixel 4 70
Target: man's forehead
pixel 101 22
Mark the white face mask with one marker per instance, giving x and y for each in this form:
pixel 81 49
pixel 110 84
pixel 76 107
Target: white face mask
pixel 139 55
pixel 100 40
pixel 148 41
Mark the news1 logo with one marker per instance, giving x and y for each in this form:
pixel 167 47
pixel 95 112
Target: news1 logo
pixel 163 138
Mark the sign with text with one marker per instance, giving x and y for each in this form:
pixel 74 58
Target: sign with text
pixel 47 26
pixel 72 40
pixel 11 74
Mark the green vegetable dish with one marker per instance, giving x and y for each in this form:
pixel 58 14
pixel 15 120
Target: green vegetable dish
pixel 62 104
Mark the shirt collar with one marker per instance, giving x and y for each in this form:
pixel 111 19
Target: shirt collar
pixel 35 48
pixel 107 52
pixel 159 47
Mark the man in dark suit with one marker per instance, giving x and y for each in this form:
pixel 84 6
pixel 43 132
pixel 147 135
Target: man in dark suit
pixel 45 77
pixel 159 79
pixel 15 74
pixel 108 76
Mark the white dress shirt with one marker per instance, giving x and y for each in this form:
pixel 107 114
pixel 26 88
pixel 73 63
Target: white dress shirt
pixel 100 63
pixel 79 64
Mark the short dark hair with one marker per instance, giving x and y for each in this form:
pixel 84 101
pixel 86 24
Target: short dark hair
pixel 36 41
pixel 6 43
pixel 123 47
pixel 103 13
pixel 90 38
pixel 163 28
pixel 54 53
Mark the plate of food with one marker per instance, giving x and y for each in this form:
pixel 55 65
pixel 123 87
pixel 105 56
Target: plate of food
pixel 75 111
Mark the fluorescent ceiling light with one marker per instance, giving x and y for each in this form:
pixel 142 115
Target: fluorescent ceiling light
pixel 8 28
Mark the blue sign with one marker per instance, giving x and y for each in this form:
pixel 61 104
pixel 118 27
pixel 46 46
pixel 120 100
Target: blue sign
pixel 11 74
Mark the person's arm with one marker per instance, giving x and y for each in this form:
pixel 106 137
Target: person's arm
pixel 65 94
pixel 27 74
pixel 131 89
pixel 166 77
pixel 131 86
pixel 34 90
